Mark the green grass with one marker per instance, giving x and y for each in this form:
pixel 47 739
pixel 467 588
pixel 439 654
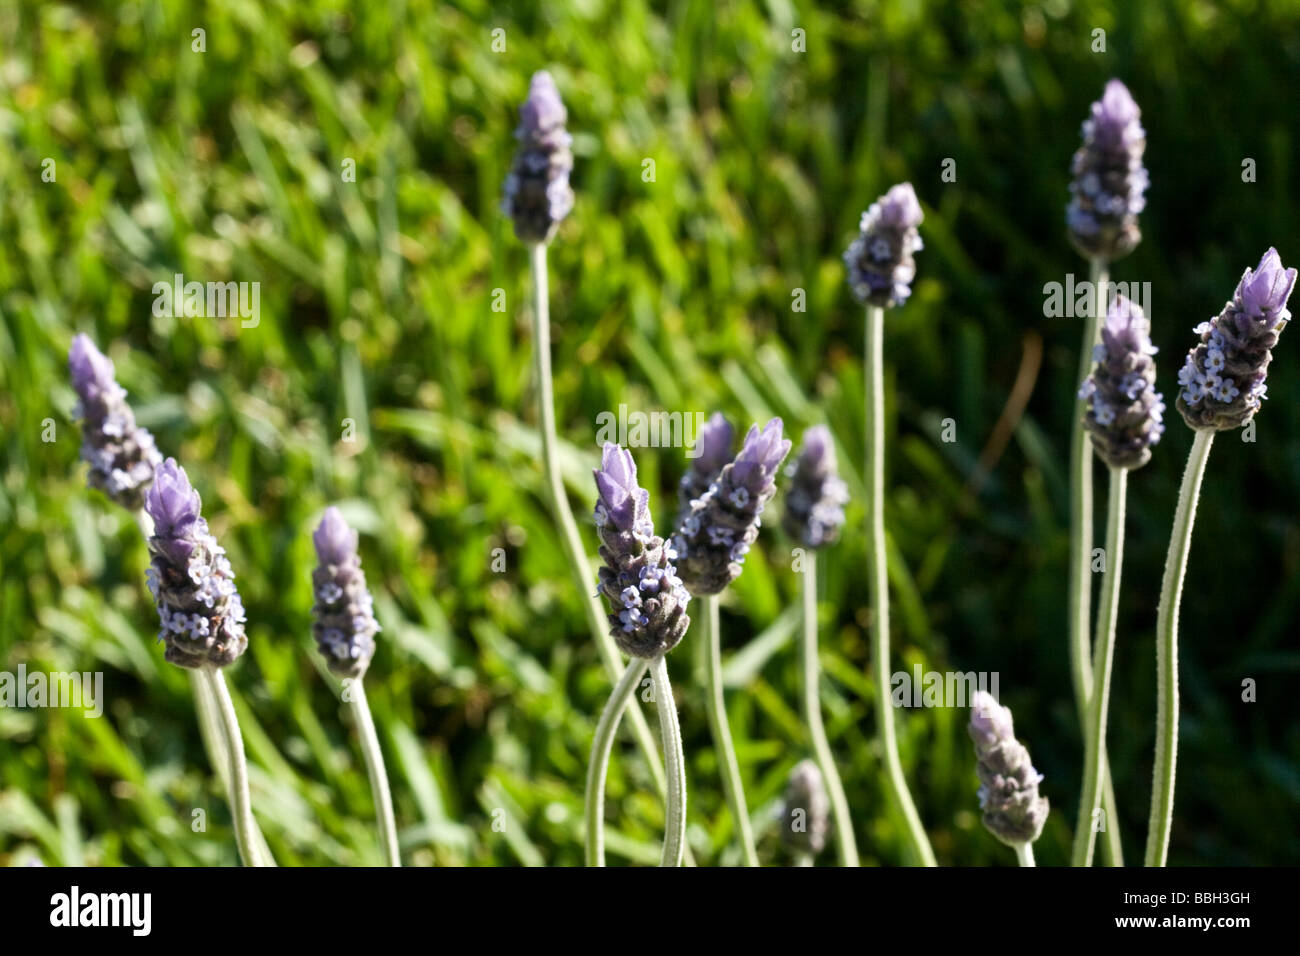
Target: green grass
pixel 377 305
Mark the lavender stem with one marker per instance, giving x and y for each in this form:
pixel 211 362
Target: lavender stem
pixel 675 759
pixel 598 768
pixel 1171 590
pixel 1025 854
pixel 241 804
pixel 374 758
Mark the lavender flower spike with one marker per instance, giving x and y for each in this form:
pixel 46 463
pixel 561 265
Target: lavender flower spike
pixel 713 451
pixel 344 613
pixel 815 500
pixel 1125 414
pixel 122 456
pixel 537 192
pixel 1223 378
pixel 201 614
pixel 879 260
pixel 638 578
pixel 1110 182
pixel 714 538
pixel 807 811
pixel 1013 810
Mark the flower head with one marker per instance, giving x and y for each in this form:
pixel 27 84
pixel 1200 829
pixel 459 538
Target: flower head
pixel 122 456
pixel 806 815
pixel 714 537
pixel 537 192
pixel 879 261
pixel 201 614
pixel 1014 812
pixel 815 500
pixel 1109 185
pixel 713 451
pixel 1124 414
pixel 1223 377
pixel 637 578
pixel 344 614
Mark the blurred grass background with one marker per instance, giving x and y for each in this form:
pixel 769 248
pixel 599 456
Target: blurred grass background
pixel 376 305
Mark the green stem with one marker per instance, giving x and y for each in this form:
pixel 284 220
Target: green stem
pixel 674 757
pixel 241 805
pixel 1171 590
pixel 1081 527
pixel 571 541
pixel 598 768
pixel 1090 797
pixel 878 583
pixel 812 711
pixel 374 757
pixel 1025 854
pixel 728 766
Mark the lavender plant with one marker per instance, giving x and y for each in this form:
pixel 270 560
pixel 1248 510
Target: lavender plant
pixel 1124 417
pixel 201 619
pixel 710 544
pixel 880 272
pixel 344 627
pixel 537 198
pixel 814 514
pixel 805 813
pixel 648 620
pixel 1221 387
pixel 1012 808
pixel 1107 192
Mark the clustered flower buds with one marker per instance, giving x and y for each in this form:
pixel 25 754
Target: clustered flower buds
pixel 122 456
pixel 806 817
pixel 880 261
pixel 343 617
pixel 815 500
pixel 201 614
pixel 1222 381
pixel 537 191
pixel 1013 810
pixel 1125 414
pixel 1110 182
pixel 637 578
pixel 716 534
pixel 713 451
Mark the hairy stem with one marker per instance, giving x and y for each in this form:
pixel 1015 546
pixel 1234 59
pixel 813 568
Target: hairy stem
pixel 878 584
pixel 810 671
pixel 375 768
pixel 675 760
pixel 1171 591
pixel 1025 854
pixel 728 766
pixel 598 768
pixel 241 805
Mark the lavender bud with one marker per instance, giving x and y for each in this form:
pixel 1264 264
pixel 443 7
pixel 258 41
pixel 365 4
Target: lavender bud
pixel 1110 182
pixel 815 500
pixel 1125 414
pixel 201 614
pixel 714 446
pixel 637 578
pixel 1222 381
pixel 807 811
pixel 122 456
pixel 879 260
pixel 344 613
pixel 1013 810
pixel 716 534
pixel 537 192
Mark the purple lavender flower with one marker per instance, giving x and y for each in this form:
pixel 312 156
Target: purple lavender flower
pixel 201 614
pixel 637 578
pixel 1223 378
pixel 1125 414
pixel 1110 182
pixel 344 613
pixel 879 260
pixel 711 543
pixel 806 816
pixel 815 500
pixel 714 447
pixel 537 192
pixel 122 456
pixel 1014 812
